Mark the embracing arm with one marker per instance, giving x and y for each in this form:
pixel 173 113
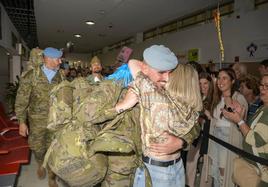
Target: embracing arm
pixel 131 98
pixel 135 67
pixel 170 146
pixel 192 134
pixel 129 101
pixel 174 143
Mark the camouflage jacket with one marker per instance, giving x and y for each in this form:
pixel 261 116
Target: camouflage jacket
pixel 33 94
pixel 90 137
pixel 90 133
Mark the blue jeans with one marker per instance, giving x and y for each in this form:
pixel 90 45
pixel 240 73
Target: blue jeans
pixel 171 176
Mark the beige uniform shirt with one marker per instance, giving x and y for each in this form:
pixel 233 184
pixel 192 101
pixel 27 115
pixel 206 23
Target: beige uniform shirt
pixel 160 114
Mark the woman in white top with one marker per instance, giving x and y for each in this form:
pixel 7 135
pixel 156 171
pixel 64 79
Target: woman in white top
pixel 220 158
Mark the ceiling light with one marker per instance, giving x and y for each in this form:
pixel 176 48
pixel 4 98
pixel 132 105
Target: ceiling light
pixel 90 22
pixel 69 44
pixel 77 35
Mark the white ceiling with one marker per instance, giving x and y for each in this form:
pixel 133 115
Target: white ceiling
pixel 58 20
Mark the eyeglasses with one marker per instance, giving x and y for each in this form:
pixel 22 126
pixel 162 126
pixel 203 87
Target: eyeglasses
pixel 264 86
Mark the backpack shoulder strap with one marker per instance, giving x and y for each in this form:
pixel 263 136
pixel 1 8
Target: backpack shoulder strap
pixel 36 73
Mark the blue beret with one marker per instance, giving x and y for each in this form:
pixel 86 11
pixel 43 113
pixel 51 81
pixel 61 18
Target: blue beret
pixel 160 58
pixel 52 52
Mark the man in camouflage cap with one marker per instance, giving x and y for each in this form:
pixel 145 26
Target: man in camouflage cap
pixel 32 104
pixel 96 69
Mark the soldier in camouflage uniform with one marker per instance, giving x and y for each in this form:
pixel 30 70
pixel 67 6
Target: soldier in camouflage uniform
pixel 32 104
pixel 162 139
pixel 119 139
pixel 121 166
pixel 96 69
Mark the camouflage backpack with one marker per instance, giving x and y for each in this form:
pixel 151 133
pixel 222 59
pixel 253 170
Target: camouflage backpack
pixel 35 61
pixel 76 116
pixel 81 101
pixel 36 58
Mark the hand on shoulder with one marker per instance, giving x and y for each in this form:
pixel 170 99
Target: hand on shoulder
pixel 134 66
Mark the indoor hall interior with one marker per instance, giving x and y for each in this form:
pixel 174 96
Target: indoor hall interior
pixel 115 31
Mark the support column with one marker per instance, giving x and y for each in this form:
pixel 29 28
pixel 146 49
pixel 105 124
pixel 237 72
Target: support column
pixel 139 38
pixel 15 67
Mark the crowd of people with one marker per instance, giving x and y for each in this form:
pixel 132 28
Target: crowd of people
pixel 174 102
pixel 95 69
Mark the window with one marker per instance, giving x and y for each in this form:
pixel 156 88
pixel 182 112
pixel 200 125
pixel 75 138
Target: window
pixel 170 27
pixel 150 34
pixel 203 16
pixel 121 43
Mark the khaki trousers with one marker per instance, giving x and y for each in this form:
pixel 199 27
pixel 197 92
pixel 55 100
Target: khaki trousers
pixel 245 174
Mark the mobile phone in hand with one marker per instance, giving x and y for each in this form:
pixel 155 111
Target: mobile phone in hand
pixel 229 109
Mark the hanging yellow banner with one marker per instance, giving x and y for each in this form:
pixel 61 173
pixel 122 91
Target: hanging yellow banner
pixel 193 55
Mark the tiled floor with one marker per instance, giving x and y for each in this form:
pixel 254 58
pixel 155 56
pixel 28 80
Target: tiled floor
pixel 28 177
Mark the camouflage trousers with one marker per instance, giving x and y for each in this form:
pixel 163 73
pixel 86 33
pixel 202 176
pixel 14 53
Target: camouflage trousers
pixel 120 171
pixel 39 138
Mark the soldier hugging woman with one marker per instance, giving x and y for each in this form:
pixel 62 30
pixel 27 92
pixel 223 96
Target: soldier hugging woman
pixel 101 134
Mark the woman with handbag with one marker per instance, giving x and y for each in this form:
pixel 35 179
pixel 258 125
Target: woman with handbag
pixel 255 132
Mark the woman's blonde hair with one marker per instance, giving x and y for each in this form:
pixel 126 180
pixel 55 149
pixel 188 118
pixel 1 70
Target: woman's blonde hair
pixel 184 86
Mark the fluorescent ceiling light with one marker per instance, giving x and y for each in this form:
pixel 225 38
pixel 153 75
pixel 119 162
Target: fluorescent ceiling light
pixel 90 22
pixel 77 35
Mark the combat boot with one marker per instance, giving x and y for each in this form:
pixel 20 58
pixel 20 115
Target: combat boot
pixel 41 172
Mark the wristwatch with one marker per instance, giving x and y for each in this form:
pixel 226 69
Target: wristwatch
pixel 241 122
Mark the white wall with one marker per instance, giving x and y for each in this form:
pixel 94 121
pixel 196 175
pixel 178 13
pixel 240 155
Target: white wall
pixel 7 28
pixel 6 42
pixel 237 35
